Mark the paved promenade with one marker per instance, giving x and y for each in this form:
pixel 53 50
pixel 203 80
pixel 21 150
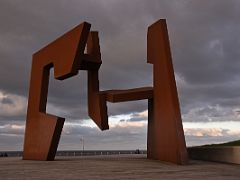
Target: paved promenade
pixel 113 167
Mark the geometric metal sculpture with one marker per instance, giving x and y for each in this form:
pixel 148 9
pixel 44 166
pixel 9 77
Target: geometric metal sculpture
pixel 165 132
pixel 65 54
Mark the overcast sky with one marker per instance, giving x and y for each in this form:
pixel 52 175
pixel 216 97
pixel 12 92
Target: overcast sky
pixel 205 45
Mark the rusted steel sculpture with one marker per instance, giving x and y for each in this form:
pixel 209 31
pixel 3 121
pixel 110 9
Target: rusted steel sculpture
pixel 66 55
pixel 165 132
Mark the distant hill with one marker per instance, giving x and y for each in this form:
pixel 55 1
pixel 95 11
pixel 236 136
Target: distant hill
pixel 231 143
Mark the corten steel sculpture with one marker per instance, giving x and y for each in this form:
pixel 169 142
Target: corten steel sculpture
pixel 66 55
pixel 165 132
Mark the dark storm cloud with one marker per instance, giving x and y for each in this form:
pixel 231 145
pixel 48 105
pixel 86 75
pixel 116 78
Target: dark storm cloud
pixel 204 42
pixel 28 26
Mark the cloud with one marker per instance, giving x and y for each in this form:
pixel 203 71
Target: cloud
pixel 209 113
pixel 12 105
pixel 203 136
pixel 139 116
pixel 122 135
pixel 202 61
pixel 12 129
pixel 204 132
pixel 125 135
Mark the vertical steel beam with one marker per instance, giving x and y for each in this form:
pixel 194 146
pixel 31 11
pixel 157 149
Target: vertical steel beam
pixel 166 140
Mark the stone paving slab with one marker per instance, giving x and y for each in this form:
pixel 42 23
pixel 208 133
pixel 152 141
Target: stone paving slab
pixel 113 167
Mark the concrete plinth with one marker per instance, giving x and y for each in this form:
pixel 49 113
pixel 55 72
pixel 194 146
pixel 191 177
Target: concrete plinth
pixel 218 154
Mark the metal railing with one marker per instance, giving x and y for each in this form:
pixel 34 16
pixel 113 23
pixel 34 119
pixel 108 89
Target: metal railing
pixel 79 153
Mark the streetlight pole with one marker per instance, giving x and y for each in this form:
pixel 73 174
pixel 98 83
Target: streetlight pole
pixel 83 144
pixel 82 140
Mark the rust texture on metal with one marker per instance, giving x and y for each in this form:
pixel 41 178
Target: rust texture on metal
pixel 129 94
pixel 165 139
pixel 165 132
pixel 97 106
pixel 66 56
